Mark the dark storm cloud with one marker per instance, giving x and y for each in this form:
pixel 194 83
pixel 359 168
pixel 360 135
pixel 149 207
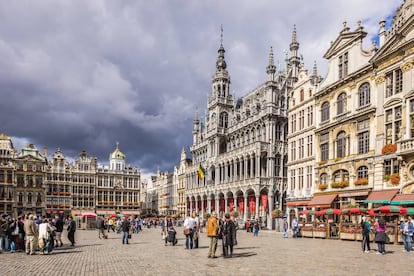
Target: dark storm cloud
pixel 81 75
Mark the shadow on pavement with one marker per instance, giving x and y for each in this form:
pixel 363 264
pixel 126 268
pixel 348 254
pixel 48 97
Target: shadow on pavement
pixel 251 247
pixel 244 254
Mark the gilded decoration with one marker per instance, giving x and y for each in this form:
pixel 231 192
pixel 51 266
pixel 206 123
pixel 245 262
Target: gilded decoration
pixel 380 80
pixel 407 66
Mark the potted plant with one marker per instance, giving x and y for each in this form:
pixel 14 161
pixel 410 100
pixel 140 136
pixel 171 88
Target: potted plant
pixel 277 213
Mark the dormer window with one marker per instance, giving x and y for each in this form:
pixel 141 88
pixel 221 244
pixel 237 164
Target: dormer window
pixel 343 66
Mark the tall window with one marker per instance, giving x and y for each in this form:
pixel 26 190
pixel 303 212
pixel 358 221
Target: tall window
pixel 394 82
pixel 308 177
pixel 364 95
pixel 362 172
pixel 363 137
pixel 324 140
pixel 310 116
pixel 341 144
pixel 343 66
pixel 300 178
pixel 393 124
pixel 223 120
pixel 301 148
pixel 411 110
pixel 325 112
pixel 293 123
pixel 301 119
pixel 391 166
pixel 302 95
pixel 341 103
pixel 310 146
pixel 293 151
pixel 292 179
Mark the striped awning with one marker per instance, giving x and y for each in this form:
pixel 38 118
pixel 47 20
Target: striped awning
pixel 403 199
pixel 383 196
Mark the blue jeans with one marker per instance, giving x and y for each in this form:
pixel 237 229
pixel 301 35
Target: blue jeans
pixel 365 242
pixel 125 237
pixel 4 240
pixel 189 240
pixel 407 242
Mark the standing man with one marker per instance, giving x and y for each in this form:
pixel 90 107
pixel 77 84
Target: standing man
pixel 189 224
pixel 31 231
pixel 125 225
pixel 100 226
pixel 366 229
pixel 71 230
pixel 212 232
pixel 295 227
pixel 229 233
pixel 407 229
pixel 59 229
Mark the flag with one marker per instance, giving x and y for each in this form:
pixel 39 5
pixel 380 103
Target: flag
pixel 200 173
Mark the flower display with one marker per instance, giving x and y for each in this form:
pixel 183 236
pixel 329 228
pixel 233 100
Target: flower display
pixel 389 148
pixel 395 178
pixel 361 181
pixel 322 186
pixel 340 184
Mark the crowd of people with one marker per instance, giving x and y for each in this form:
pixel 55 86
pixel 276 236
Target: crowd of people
pixel 33 233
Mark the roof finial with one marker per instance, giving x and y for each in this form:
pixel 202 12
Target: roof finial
pixel 294 38
pixel 221 35
pixel 117 144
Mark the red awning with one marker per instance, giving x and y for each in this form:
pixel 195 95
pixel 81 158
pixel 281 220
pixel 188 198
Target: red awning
pixel 383 196
pixel 403 199
pixel 322 201
pixel 297 203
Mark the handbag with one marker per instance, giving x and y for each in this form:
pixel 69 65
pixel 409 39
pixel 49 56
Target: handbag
pixel 186 231
pixel 129 236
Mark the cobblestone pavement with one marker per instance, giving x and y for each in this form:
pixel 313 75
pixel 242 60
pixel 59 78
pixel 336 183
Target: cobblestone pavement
pixel 267 254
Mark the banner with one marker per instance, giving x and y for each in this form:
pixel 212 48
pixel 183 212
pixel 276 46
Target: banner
pixel 264 202
pixel 231 204
pixel 241 204
pixel 213 205
pixel 252 204
pixel 222 205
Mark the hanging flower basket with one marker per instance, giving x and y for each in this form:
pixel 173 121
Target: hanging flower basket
pixel 277 213
pixel 322 186
pixel 395 178
pixel 390 148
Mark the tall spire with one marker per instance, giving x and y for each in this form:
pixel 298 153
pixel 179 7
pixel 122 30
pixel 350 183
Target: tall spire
pixel 294 45
pixel 271 68
pixel 221 63
pixel 294 60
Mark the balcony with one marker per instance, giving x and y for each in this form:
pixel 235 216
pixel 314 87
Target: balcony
pixel 405 147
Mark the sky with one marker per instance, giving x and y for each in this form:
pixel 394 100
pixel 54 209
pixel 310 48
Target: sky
pixel 83 75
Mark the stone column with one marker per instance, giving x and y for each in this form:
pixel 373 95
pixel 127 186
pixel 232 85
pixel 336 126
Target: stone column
pixel 209 204
pixel 257 206
pixel 226 208
pixel 245 207
pixel 216 198
pixel 270 208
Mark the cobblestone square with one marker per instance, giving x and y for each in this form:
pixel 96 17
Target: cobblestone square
pixel 267 254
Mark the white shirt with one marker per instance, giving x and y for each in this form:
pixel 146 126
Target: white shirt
pixel 190 223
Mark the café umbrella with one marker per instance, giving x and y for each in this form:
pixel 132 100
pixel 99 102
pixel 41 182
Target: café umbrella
pixel 355 210
pixel 309 212
pixel 389 209
pixel 330 211
pixel 89 215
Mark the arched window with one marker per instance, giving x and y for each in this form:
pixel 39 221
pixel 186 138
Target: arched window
pixel 302 95
pixel 364 94
pixel 29 197
pixel 341 103
pixel 223 119
pixel 20 197
pixel 341 144
pixel 325 112
pixel 362 172
pixel 340 175
pixel 324 178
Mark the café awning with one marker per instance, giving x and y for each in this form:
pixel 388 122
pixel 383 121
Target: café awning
pixel 383 196
pixel 322 201
pixel 297 203
pixel 403 199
